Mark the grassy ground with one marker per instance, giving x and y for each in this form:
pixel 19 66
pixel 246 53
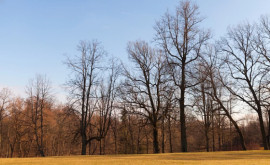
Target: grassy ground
pixel 201 158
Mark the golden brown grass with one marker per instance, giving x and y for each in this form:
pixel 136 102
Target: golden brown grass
pixel 201 158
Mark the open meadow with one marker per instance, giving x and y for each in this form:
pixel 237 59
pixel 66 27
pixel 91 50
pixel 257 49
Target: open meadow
pixel 220 158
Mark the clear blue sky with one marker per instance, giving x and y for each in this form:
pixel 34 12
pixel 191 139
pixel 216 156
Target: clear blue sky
pixel 36 34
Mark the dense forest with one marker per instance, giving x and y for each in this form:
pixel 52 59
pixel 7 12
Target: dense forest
pixel 187 91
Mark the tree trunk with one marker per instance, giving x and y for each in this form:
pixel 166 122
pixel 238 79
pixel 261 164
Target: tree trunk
pixel 219 131
pixel 115 143
pixel 183 126
pixel 147 144
pixel 12 149
pixel 205 117
pixel 264 139
pixel 41 151
pixel 182 109
pixel 170 134
pixel 41 132
pixel 138 140
pixel 115 136
pixel 163 138
pixel 138 145
pixel 242 141
pixel 100 147
pixel 83 144
pixel 206 138
pixel 213 132
pixel 155 139
pixel 104 146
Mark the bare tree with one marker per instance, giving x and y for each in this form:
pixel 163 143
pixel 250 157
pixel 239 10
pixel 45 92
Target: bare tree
pixel 204 104
pixel 145 89
pixel 182 39
pixel 245 71
pixel 4 103
pixel 16 126
pixel 81 86
pixel 106 102
pixel 92 96
pixel 260 40
pixel 39 96
pixel 216 89
pixel 261 46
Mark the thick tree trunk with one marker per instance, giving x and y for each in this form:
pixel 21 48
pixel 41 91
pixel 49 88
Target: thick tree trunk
pixel 264 139
pixel 42 153
pixel 182 108
pixel 40 149
pixel 183 127
pixel 115 143
pixel 84 143
pixel 206 138
pixel 12 149
pixel 104 146
pixel 170 134
pixel 155 139
pixel 100 147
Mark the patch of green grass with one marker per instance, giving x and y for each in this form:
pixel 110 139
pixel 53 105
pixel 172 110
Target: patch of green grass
pixel 202 158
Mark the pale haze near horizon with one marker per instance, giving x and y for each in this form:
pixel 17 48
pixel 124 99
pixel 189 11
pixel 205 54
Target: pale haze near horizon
pixel 35 36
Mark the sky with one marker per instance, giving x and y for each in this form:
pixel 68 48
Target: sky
pixel 37 35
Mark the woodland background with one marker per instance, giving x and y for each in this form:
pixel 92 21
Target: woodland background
pixel 183 92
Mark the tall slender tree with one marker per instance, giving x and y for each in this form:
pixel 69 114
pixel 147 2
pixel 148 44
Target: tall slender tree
pixel 182 39
pixel 85 68
pixel 39 96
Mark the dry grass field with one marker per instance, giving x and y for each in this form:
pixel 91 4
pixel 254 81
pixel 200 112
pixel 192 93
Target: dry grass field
pixel 201 158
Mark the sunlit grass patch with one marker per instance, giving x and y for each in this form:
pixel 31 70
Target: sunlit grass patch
pixel 203 158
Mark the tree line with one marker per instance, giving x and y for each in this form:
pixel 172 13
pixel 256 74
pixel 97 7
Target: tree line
pixel 183 92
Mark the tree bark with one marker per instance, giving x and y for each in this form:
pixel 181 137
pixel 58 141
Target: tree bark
pixel 162 134
pixel 264 139
pixel 155 139
pixel 84 143
pixel 170 134
pixel 213 132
